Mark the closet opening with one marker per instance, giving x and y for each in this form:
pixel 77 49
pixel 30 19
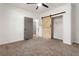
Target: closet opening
pixel 57 27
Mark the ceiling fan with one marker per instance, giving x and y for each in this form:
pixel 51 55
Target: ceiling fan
pixel 39 4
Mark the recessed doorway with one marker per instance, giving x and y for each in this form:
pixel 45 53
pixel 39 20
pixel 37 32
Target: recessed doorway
pixel 57 27
pixel 34 29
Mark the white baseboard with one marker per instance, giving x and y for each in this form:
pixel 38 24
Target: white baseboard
pixel 69 43
pixel 76 42
pixel 8 42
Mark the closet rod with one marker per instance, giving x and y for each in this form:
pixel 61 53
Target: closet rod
pixel 55 14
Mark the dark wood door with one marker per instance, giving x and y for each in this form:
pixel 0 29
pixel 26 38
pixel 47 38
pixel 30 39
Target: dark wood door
pixel 28 28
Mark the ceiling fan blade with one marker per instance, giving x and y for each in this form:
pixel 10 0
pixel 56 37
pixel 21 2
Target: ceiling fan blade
pixel 44 5
pixel 36 7
pixel 30 3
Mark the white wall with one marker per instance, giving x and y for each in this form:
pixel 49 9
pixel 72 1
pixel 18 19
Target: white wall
pixel 75 22
pixel 66 21
pixel 12 23
pixel 58 27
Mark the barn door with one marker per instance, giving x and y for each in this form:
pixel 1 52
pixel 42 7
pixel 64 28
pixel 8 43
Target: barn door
pixel 46 27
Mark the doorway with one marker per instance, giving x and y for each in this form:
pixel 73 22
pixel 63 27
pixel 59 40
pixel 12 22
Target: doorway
pixel 34 29
pixel 28 28
pixel 57 27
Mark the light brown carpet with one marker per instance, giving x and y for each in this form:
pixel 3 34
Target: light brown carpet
pixel 39 47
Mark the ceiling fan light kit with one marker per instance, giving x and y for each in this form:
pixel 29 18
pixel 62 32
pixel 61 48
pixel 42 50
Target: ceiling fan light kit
pixel 39 5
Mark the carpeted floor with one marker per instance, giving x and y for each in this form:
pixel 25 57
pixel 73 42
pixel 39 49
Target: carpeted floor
pixel 39 47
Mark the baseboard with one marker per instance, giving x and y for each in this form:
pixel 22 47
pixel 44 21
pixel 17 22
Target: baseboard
pixel 8 42
pixel 69 43
pixel 75 42
pixel 57 38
